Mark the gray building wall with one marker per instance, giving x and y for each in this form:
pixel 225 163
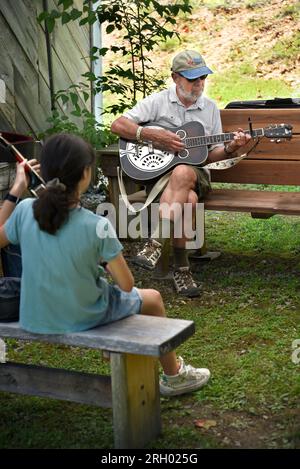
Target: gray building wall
pixel 25 100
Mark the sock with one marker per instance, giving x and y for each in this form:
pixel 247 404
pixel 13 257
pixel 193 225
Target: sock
pixel 180 257
pixel 163 231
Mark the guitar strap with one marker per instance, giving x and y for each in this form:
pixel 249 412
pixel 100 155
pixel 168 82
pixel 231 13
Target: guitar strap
pixel 163 181
pixel 156 189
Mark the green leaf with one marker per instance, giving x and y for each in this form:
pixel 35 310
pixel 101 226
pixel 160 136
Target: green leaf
pixel 66 3
pixel 83 21
pixel 75 14
pixel 50 22
pixel 76 113
pixel 65 18
pixel 55 14
pixel 90 76
pixel 64 98
pixel 110 28
pixel 103 51
pixel 85 96
pixel 74 98
pixel 42 16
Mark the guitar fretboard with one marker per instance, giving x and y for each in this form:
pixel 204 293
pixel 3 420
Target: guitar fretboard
pixel 191 142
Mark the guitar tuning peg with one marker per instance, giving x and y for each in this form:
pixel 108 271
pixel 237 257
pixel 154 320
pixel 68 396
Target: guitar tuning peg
pixel 278 140
pixel 272 140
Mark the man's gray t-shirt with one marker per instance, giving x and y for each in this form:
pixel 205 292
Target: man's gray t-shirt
pixel 165 109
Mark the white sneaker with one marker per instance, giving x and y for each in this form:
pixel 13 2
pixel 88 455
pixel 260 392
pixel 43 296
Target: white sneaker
pixel 188 379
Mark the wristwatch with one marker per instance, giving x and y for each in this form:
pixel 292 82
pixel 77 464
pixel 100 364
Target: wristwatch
pixel 11 198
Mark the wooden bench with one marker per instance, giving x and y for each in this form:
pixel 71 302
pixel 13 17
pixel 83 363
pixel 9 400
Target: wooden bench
pixel 135 344
pixel 269 164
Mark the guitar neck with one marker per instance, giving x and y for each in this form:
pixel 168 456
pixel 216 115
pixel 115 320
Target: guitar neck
pixel 192 142
pixel 37 182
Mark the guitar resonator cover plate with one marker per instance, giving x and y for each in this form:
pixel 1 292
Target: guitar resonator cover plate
pixel 147 159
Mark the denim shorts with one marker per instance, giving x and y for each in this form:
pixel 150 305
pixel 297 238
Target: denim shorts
pixel 11 261
pixel 121 304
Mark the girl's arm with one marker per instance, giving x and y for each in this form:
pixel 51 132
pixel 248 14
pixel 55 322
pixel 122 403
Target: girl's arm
pixel 19 186
pixel 8 207
pixel 121 273
pixel 3 239
pixel 16 190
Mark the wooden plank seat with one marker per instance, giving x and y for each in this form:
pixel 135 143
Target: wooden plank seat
pixel 256 202
pixel 269 202
pixel 135 344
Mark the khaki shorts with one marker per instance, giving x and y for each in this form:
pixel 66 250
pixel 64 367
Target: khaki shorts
pixel 202 188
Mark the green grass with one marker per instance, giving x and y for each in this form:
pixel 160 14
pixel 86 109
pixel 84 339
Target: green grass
pixel 229 4
pixel 290 10
pixel 240 83
pixel 287 49
pixel 246 321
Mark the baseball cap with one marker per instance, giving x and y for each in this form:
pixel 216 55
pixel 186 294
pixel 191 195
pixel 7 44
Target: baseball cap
pixel 190 64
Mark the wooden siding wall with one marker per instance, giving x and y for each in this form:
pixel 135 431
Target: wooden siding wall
pixel 24 66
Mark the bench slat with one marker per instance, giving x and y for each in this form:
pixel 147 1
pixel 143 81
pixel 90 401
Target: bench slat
pixel 138 334
pixel 284 150
pixel 84 388
pixel 234 118
pixel 285 203
pixel 260 172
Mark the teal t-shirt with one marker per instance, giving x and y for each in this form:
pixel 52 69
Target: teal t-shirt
pixel 61 289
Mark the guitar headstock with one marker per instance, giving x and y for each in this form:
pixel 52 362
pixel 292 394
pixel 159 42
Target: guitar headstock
pixel 278 131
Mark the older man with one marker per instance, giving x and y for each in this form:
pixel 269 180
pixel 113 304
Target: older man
pixel 181 103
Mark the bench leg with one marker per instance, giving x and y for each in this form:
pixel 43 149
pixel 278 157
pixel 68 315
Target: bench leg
pixel 135 396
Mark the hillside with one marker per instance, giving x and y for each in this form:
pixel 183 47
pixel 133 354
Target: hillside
pixel 253 47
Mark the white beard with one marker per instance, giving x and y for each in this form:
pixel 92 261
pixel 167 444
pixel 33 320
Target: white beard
pixel 191 96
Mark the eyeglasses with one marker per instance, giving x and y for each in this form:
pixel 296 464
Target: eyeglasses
pixel 203 77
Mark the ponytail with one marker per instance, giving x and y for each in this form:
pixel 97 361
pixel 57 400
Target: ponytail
pixel 51 209
pixel 63 160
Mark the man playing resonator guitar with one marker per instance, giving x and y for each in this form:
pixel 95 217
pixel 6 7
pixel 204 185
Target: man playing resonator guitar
pixel 182 103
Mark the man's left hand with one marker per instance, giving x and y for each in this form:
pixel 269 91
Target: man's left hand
pixel 240 139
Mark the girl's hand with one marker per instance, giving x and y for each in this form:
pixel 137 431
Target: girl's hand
pixel 35 165
pixel 21 182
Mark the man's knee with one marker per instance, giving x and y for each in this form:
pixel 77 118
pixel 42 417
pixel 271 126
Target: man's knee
pixel 183 175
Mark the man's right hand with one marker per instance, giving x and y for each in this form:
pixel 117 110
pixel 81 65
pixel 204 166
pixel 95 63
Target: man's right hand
pixel 163 139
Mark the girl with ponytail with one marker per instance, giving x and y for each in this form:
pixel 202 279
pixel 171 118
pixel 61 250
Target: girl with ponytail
pixel 62 244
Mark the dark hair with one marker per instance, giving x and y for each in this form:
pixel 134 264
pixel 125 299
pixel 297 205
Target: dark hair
pixel 63 158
